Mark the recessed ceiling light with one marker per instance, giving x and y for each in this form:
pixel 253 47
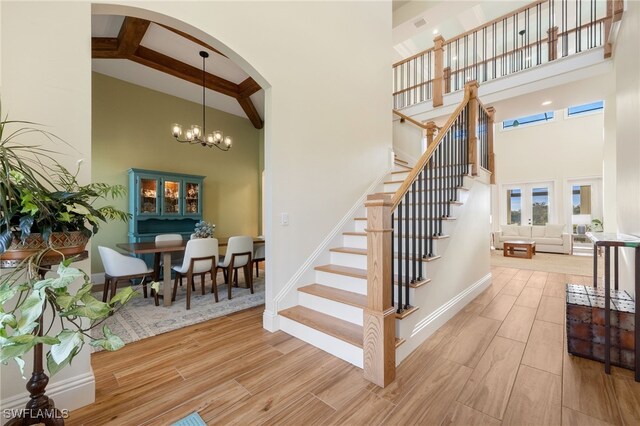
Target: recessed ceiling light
pixel 435 31
pixel 545 103
pixel 420 22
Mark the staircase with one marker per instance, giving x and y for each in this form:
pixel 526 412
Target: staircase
pixel 332 311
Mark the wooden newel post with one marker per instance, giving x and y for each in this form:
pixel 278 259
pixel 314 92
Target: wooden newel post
pixel 553 43
pixel 438 87
pixel 492 159
pixel 379 316
pixel 430 132
pixel 472 87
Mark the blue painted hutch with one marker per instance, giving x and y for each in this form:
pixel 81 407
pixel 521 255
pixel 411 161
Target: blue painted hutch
pixel 163 203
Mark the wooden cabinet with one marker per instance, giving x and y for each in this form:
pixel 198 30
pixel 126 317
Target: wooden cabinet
pixel 163 203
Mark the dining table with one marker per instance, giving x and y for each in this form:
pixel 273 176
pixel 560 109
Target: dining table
pixel 164 249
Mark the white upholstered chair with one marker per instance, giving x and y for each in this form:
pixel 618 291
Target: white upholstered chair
pixel 258 256
pixel 118 267
pixel 238 255
pixel 200 258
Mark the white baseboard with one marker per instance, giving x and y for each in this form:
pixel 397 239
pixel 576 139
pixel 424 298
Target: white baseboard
pixel 428 325
pixel 270 321
pixel 69 394
pixel 292 284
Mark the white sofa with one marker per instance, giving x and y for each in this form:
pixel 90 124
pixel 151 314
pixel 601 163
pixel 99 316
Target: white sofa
pixel 549 238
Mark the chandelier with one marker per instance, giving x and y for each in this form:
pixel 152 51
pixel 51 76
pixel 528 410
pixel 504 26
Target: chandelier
pixel 196 134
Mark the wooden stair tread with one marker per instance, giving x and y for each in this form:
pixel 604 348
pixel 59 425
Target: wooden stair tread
pixel 343 270
pixel 400 341
pixel 340 329
pixel 405 313
pixel 347 297
pixel 349 250
pixel 400 160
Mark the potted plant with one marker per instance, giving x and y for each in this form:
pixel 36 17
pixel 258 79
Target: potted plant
pixel 204 230
pixel 40 201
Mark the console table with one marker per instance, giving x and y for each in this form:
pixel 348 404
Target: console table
pixel 607 241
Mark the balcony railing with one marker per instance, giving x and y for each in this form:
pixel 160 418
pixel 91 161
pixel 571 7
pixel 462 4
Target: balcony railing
pixel 525 38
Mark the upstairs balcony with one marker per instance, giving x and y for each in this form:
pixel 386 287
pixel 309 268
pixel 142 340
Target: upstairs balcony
pixel 550 42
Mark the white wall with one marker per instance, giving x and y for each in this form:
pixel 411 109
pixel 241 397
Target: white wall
pixel 408 141
pixel 559 151
pixel 627 73
pixel 609 172
pixel 325 68
pixel 46 78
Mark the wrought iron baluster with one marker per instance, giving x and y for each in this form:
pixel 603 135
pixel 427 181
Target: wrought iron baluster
pixel 399 258
pixel 407 255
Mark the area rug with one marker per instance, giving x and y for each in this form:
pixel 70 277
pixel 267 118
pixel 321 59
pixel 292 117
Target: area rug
pixel 549 262
pixel 140 318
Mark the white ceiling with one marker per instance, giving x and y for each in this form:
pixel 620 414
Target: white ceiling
pixel 168 43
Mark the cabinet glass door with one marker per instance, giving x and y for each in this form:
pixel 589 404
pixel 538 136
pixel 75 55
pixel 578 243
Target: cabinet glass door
pixel 171 202
pixel 192 198
pixel 148 196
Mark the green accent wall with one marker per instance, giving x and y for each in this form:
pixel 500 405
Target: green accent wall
pixel 131 127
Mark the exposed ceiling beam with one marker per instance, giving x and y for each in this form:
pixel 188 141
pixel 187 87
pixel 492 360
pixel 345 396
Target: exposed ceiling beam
pixel 248 87
pixel 127 46
pixel 173 67
pixel 252 113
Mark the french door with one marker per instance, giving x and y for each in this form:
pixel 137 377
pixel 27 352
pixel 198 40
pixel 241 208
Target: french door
pixel 527 204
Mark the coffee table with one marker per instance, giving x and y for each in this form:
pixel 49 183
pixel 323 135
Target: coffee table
pixel 526 248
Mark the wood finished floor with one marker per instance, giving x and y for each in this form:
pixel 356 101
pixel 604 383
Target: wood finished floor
pixel 501 360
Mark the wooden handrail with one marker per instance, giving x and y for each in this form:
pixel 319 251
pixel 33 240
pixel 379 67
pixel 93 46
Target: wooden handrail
pixel 410 120
pixel 523 8
pixel 424 52
pixel 424 159
pixel 415 86
pixel 498 19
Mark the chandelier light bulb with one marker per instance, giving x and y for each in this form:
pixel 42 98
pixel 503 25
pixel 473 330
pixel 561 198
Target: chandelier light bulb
pixel 209 138
pixel 228 141
pixel 177 130
pixel 189 135
pixel 197 131
pixel 217 137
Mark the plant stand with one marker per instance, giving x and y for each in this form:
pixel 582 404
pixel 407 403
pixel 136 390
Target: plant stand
pixel 40 408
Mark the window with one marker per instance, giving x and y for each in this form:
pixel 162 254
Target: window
pixel 514 208
pixel 583 109
pixel 529 119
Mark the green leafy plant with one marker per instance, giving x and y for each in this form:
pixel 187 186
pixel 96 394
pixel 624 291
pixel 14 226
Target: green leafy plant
pixel 24 298
pixel 597 225
pixel 39 195
pixel 42 196
pixel 204 229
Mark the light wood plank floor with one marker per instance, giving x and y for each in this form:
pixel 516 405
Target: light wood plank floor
pixel 501 360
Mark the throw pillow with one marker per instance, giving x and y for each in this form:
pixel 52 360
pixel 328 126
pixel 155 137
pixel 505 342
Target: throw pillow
pixel 509 230
pixel 554 231
pixel 524 231
pixel 538 231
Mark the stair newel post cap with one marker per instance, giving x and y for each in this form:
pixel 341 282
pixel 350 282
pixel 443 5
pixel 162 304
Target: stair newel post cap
pixel 472 87
pixel 438 41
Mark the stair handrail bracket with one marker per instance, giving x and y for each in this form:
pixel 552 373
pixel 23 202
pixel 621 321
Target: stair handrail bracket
pixel 401 228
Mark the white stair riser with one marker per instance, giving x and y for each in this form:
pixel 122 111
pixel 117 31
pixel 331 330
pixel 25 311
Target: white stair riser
pixel 354 241
pixel 336 347
pixel 349 259
pixel 342 282
pixel 331 307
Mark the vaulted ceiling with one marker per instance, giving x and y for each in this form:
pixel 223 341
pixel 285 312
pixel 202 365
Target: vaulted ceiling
pixel 167 60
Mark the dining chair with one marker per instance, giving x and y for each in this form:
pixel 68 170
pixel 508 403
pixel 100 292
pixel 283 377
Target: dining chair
pixel 258 256
pixel 200 257
pixel 119 267
pixel 238 255
pixel 175 259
